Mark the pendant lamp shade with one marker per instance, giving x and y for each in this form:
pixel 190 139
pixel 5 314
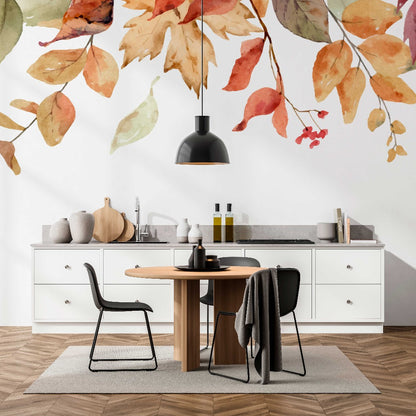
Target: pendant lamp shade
pixel 202 147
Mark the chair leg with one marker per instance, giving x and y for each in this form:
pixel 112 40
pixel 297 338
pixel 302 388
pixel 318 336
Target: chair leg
pixel 207 346
pixel 212 350
pixel 92 359
pixel 251 347
pixel 300 349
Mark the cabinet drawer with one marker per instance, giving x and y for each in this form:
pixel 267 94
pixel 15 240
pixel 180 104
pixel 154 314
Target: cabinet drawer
pixel 64 266
pixel 64 303
pixel 303 309
pixel 117 261
pixel 158 297
pixel 182 256
pixel 299 259
pixel 348 303
pixel 348 266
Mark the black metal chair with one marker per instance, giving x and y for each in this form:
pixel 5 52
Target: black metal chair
pixel 105 305
pixel 288 285
pixel 208 298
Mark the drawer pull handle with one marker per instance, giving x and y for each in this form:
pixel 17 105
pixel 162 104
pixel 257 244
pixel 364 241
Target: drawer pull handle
pixel 137 266
pixel 278 266
pixel 349 302
pixel 349 267
pixel 67 267
pixel 136 301
pixel 67 302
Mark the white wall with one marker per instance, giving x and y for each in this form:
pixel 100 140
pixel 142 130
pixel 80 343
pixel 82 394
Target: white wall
pixel 270 179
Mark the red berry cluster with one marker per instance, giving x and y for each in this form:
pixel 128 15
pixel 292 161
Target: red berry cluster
pixel 309 133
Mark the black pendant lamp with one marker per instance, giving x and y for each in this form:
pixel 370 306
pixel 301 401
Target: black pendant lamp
pixel 202 147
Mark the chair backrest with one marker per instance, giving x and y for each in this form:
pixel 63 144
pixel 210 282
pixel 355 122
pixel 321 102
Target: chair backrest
pixel 288 280
pixel 239 261
pixel 95 289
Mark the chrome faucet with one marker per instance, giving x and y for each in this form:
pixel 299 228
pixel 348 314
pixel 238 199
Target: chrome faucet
pixel 139 234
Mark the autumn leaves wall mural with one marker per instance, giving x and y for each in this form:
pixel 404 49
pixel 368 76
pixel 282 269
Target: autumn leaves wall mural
pixel 358 53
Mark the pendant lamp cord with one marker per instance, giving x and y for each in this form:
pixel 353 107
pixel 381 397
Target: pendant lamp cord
pixel 202 57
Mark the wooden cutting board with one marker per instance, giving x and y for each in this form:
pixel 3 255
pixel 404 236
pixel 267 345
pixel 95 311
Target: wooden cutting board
pixel 128 231
pixel 109 223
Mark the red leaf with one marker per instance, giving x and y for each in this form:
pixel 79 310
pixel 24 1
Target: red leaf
pixel 280 117
pixel 262 101
pixel 251 51
pixel 210 7
pixel 400 4
pixel 410 29
pixel 162 6
pixel 84 17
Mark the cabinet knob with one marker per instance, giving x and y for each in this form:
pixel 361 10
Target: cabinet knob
pixel 349 302
pixel 349 267
pixel 278 266
pixel 136 301
pixel 137 266
pixel 67 267
pixel 67 302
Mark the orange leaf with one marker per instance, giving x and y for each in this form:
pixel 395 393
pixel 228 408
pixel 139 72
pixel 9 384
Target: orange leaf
pixel 101 71
pixel 387 54
pixel 84 18
pixel 392 89
pixel 25 105
pixel 58 66
pixel 364 18
pixel 7 151
pixel 391 155
pixel 389 140
pixel 376 118
pixel 261 6
pixel 147 5
pixel 397 127
pixel 251 51
pixel 350 90
pixel 162 6
pixel 400 150
pixel 262 101
pixel 8 123
pixel 280 117
pixel 55 116
pixel 330 67
pixel 210 7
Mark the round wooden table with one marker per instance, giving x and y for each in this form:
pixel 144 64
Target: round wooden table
pixel 229 286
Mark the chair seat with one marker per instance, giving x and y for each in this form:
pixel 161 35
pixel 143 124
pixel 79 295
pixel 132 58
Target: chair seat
pixel 125 306
pixel 207 299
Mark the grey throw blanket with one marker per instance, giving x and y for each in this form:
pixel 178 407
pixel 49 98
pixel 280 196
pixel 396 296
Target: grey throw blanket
pixel 259 317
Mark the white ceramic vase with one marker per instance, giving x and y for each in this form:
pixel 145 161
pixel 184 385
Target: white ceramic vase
pixel 194 234
pixel 326 231
pixel 182 231
pixel 60 232
pixel 81 225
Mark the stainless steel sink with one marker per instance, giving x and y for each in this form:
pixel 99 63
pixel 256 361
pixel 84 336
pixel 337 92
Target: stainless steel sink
pixel 139 242
pixel 276 241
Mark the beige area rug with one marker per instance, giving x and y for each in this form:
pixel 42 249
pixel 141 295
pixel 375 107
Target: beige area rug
pixel 328 371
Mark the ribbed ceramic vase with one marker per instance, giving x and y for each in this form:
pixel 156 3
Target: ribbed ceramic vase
pixel 82 225
pixel 194 234
pixel 182 231
pixel 60 232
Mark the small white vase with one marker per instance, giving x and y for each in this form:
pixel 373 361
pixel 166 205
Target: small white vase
pixel 60 232
pixel 182 231
pixel 194 234
pixel 81 225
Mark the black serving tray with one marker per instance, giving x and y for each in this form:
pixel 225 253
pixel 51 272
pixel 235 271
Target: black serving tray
pixel 188 269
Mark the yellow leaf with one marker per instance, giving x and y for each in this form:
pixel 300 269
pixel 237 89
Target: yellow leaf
pixel 8 123
pixel 376 118
pixel 350 90
pixel 55 116
pixel 364 18
pixel 387 54
pixel 391 155
pixel 184 54
pixel 147 5
pixel 397 127
pixel 400 150
pixel 234 22
pixel 25 105
pixel 392 89
pixel 331 65
pixel 101 71
pixel 389 140
pixel 7 151
pixel 59 66
pixel 261 6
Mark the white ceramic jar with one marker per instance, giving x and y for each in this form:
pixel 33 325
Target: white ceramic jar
pixel 194 234
pixel 60 232
pixel 182 231
pixel 82 226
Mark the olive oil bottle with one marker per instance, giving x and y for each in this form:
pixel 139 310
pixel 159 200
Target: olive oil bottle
pixel 217 224
pixel 229 225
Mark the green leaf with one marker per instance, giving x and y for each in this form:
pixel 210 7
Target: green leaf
pixel 43 12
pixel 11 25
pixel 137 124
pixel 337 6
pixel 305 18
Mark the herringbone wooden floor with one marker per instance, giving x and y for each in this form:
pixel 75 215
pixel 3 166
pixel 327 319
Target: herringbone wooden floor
pixel 388 360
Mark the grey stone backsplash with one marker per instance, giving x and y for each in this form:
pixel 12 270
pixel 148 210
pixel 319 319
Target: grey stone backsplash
pixel 244 232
